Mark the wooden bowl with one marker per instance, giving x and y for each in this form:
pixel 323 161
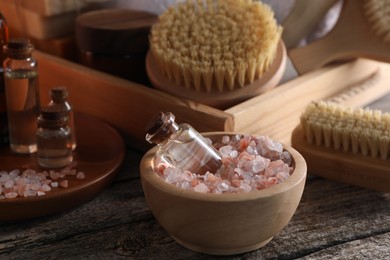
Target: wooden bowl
pixel 215 98
pixel 222 224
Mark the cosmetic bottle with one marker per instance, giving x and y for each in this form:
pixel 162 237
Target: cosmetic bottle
pixel 182 146
pixel 22 95
pixel 53 139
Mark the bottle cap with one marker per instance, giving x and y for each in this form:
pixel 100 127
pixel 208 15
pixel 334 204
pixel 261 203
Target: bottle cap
pixel 18 48
pixel 160 127
pixel 59 93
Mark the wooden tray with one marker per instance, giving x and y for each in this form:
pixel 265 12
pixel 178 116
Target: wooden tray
pixel 99 153
pixel 129 106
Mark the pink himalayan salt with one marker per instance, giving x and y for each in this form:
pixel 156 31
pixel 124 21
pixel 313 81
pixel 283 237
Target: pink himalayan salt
pixel 64 184
pixel 249 163
pixel 32 183
pixel 80 175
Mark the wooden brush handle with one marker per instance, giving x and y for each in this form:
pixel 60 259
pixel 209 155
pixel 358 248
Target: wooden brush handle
pixel 352 36
pixel 302 19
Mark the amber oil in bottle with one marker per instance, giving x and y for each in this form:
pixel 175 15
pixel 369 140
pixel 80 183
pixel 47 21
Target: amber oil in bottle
pixel 59 102
pixel 53 139
pixel 22 95
pixel 182 146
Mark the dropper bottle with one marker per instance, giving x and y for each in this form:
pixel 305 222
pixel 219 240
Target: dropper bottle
pixel 182 146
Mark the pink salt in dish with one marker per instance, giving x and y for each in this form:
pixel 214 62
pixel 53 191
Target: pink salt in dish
pixel 249 163
pixel 31 183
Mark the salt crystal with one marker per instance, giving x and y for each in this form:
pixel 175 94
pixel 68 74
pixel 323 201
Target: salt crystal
pixel 11 195
pixel 40 193
pixel 14 173
pixel 80 175
pixel 45 187
pixel 9 184
pixel 225 150
pixel 225 139
pixel 201 187
pixel 173 175
pixel 64 184
pixel 54 175
pixel 54 184
pixel 260 164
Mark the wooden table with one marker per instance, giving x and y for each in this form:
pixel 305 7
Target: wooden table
pixel 333 220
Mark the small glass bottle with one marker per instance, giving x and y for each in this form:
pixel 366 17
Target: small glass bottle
pixel 182 146
pixel 53 139
pixel 59 101
pixel 22 95
pixel 3 107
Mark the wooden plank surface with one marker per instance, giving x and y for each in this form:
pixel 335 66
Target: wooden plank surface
pixel 333 220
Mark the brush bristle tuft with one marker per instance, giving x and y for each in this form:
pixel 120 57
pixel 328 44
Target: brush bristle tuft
pixel 217 45
pixel 377 13
pixel 363 131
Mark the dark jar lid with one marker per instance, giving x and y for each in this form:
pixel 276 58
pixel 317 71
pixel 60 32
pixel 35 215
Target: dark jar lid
pixel 114 31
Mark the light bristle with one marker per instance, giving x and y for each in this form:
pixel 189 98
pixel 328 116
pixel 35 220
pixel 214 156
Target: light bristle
pixel 363 131
pixel 378 14
pixel 218 45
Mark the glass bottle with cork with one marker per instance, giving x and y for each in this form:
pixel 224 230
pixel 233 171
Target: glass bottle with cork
pixel 182 146
pixel 3 106
pixel 59 101
pixel 53 139
pixel 22 95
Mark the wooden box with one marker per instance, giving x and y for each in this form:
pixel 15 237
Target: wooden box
pixel 129 106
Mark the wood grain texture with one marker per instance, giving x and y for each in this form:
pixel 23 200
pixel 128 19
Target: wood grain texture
pixel 332 220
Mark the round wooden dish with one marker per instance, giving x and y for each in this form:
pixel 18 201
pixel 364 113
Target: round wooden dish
pixel 99 153
pixel 215 98
pixel 222 224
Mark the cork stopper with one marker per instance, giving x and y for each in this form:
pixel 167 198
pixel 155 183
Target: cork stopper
pixel 160 128
pixel 18 48
pixel 59 94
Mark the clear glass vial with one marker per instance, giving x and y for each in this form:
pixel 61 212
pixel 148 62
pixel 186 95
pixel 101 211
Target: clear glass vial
pixel 22 95
pixel 182 146
pixel 53 139
pixel 59 101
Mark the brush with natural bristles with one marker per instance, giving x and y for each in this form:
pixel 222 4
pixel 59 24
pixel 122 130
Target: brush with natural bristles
pixel 346 144
pixel 220 45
